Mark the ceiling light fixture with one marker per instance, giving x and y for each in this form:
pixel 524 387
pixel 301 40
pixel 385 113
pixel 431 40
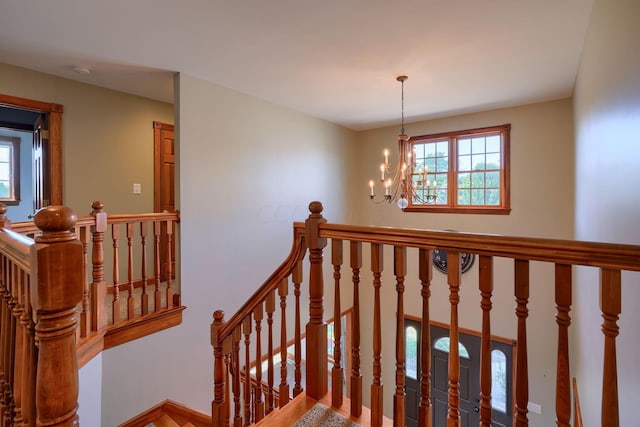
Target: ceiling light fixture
pixel 82 70
pixel 408 181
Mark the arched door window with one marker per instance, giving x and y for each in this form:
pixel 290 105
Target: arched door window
pixel 443 344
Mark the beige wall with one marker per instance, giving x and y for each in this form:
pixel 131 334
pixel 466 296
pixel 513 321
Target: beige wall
pixel 607 106
pixel 107 139
pixel 542 205
pixel 247 170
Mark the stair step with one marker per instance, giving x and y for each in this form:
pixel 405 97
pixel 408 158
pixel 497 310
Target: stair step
pixel 165 421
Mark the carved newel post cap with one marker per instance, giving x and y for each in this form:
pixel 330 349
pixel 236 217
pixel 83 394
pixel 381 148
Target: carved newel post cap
pixel 55 219
pixel 218 316
pixel 3 209
pixel 315 207
pixel 97 206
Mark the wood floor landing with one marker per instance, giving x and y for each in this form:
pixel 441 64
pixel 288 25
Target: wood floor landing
pixel 302 404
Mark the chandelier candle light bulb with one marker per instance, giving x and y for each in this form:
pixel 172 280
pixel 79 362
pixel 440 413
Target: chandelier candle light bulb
pixel 371 186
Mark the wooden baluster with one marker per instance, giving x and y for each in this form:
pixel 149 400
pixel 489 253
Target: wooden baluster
pixel 30 360
pixel 246 330
pixel 18 312
pixel 297 280
pixel 270 306
pixel 336 371
pixel 169 290
pixel 9 398
pixel 377 404
pixel 453 277
pixel 235 374
pixel 611 307
pixel 316 338
pixel 227 391
pixel 400 271
pixel 144 298
pixel 157 296
pixel 85 313
pixel 425 273
pixel 355 257
pixel 4 335
pixel 131 305
pixel 7 412
pixel 115 303
pixel 57 377
pixel 99 285
pixel 258 314
pixel 522 371
pixel 563 377
pixel 283 390
pixel 217 406
pixel 486 289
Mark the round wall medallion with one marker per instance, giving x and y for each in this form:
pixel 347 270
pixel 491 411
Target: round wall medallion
pixel 440 261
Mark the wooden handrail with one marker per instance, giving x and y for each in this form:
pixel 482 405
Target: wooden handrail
pixel 297 252
pixel 595 254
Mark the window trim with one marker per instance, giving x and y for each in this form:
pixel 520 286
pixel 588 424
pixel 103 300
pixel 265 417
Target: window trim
pixel 14 141
pixel 505 173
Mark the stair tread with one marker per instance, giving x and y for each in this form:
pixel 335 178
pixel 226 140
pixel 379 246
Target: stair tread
pixel 165 421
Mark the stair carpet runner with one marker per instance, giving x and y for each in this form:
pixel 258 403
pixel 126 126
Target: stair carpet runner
pixel 320 415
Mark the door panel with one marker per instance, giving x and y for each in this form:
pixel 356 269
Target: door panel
pixel 164 186
pixel 469 384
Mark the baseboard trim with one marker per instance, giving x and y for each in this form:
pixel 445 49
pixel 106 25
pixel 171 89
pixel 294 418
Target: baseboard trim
pixel 179 413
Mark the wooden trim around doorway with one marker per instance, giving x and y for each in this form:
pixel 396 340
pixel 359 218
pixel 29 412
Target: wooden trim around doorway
pixel 54 113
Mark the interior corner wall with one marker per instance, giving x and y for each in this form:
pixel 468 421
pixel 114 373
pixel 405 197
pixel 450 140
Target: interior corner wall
pixel 542 173
pixel 607 115
pixel 248 169
pixel 107 139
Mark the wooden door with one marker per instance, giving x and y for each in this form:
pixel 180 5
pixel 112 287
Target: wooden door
pixel 164 184
pixel 41 192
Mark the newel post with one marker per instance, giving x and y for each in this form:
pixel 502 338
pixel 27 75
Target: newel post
pixel 218 409
pixel 4 221
pixel 57 261
pixel 98 292
pixel 316 328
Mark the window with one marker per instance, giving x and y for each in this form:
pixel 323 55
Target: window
pixel 468 171
pixel 9 170
pixel 499 381
pixel 411 357
pixel 443 344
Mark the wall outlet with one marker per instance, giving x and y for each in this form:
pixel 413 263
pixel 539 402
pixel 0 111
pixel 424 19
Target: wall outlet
pixel 137 189
pixel 534 407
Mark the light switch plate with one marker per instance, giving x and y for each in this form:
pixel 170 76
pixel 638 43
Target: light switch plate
pixel 535 408
pixel 137 189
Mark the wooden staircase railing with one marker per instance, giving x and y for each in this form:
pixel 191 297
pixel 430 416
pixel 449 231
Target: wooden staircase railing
pixel 138 248
pixel 40 288
pixel 611 259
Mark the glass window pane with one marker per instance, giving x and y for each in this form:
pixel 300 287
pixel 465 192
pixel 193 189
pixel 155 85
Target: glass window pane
pixel 499 381
pixel 464 180
pixel 442 164
pixel 4 189
pixel 477 145
pixel 5 171
pixel 443 148
pixel 431 164
pixel 464 163
pixel 493 197
pixel 442 196
pixel 443 344
pixel 477 180
pixel 5 153
pixel 493 161
pixel 493 144
pixel 418 150
pixel 464 146
pixel 464 197
pixel 411 345
pixel 493 180
pixel 477 197
pixel 429 149
pixel 477 162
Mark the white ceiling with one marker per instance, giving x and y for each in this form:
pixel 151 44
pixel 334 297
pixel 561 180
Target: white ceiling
pixel 332 59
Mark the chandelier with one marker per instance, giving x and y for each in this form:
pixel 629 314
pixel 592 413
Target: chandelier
pixel 403 182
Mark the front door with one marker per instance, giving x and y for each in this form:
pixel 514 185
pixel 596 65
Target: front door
pixel 469 349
